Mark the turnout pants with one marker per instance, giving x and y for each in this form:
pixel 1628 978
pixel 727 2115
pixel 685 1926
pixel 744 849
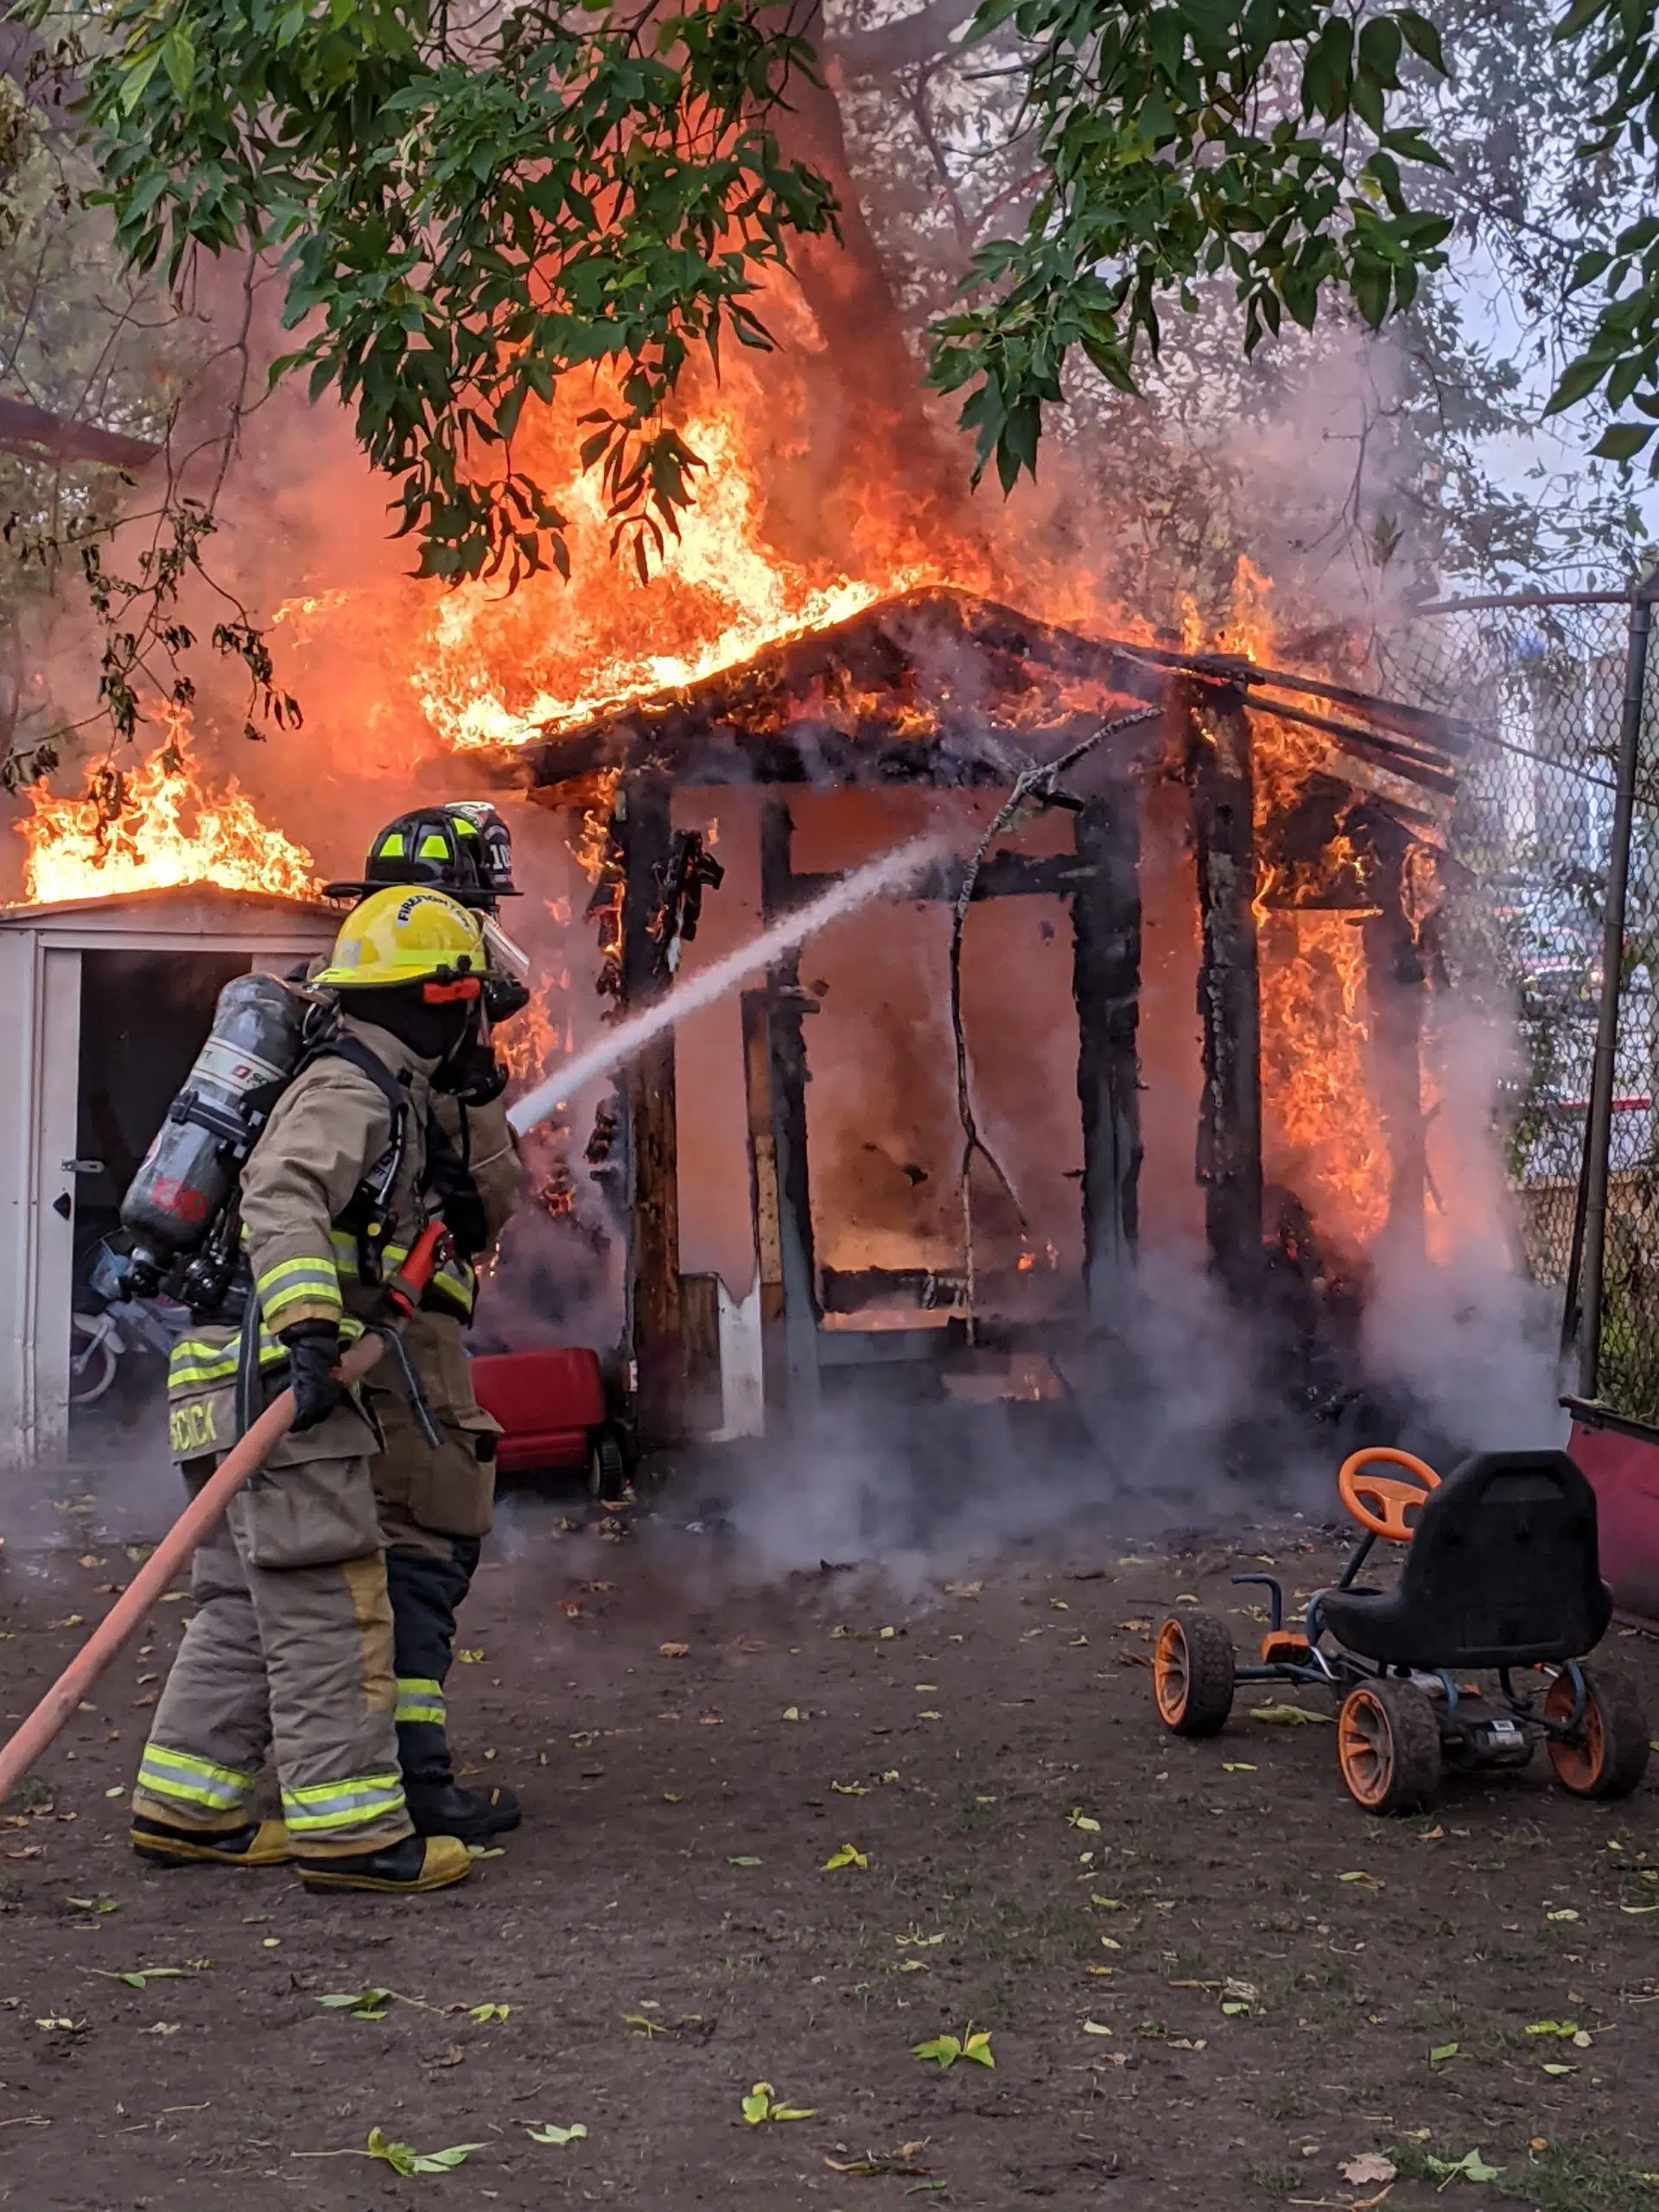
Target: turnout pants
pixel 436 1505
pixel 289 1653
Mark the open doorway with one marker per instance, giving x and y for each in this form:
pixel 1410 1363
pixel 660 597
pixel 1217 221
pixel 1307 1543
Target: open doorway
pixel 143 1016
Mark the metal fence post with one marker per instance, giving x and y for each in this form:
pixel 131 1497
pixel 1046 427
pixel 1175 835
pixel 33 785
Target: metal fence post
pixel 1598 1130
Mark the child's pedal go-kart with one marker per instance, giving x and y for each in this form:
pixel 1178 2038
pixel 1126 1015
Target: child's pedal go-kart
pixel 1501 1574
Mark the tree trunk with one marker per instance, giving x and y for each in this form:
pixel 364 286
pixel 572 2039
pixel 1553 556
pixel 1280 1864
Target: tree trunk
pixel 876 379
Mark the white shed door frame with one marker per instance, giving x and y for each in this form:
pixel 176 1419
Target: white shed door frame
pixel 42 984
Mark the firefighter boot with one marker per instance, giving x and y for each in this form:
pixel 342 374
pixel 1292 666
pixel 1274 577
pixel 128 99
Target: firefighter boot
pixel 443 1808
pixel 259 1843
pixel 401 1869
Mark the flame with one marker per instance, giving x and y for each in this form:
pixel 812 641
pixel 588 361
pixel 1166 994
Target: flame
pixel 1322 1134
pixel 159 826
pixel 495 672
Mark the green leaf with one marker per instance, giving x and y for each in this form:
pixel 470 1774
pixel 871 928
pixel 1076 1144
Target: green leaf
pixel 942 2051
pixel 1588 267
pixel 1422 38
pixel 361 2004
pixel 761 2105
pixel 483 2015
pixel 403 2158
pixel 848 1855
pixel 1622 442
pixel 1470 2167
pixel 1579 381
pixel 549 2133
pixel 1441 2052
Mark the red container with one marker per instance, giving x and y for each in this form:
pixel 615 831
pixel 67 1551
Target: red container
pixel 550 1405
pixel 1623 1468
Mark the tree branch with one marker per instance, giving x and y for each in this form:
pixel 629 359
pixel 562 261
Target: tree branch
pixel 24 429
pixel 913 39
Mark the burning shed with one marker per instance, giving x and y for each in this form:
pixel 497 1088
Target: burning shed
pixel 1245 856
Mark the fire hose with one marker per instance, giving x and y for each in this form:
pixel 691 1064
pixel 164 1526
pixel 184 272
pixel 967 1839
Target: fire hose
pixel 131 1608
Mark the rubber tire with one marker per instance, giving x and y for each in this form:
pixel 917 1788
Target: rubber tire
pixel 1615 1758
pixel 608 1470
pixel 1410 1736
pixel 1193 1691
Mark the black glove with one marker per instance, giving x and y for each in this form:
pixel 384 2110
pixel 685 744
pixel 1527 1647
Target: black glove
pixel 313 1348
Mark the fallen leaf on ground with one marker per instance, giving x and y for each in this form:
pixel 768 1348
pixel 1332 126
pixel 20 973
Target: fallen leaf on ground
pixel 848 1855
pixel 1469 2167
pixel 1236 1766
pixel 850 1789
pixel 746 1860
pixel 551 2134
pixel 361 2004
pixel 963 1589
pixel 1557 2069
pixel 973 2044
pixel 792 1712
pixel 1568 2030
pixel 482 2015
pixel 671 1651
pixel 468 1659
pixel 1370 2165
pixel 1288 1716
pixel 91 1904
pixel 1564 1913
pixel 1077 1818
pixel 1095 2028
pixel 761 2105
pixel 403 2158
pixel 1441 2052
pixel 642 2026
pixel 138 1976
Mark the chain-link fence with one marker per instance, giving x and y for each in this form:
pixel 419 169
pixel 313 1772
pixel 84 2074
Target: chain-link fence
pixel 1542 681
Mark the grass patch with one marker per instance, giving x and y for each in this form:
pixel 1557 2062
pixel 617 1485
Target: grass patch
pixel 1582 2181
pixel 1560 2179
pixel 1273 2181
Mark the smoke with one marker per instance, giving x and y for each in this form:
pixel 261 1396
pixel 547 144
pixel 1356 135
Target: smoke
pixel 1462 1326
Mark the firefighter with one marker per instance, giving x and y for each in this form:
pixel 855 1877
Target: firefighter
pixel 437 1500
pixel 290 1649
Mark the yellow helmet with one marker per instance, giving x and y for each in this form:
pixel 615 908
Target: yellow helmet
pixel 409 935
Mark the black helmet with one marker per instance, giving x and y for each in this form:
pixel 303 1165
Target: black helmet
pixel 465 848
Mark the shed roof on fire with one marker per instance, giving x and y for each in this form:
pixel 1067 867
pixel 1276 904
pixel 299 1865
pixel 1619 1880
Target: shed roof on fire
pixel 939 687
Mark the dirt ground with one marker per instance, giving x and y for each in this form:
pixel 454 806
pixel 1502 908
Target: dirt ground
pixel 1209 1980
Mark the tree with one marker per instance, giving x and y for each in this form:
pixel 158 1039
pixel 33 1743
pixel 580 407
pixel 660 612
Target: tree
pixel 469 211
pixel 1621 356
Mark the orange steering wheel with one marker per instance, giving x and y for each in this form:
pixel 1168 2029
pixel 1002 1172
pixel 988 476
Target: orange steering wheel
pixel 1390 1499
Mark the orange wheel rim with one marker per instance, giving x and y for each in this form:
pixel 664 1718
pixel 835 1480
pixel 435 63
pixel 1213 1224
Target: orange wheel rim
pixel 1577 1761
pixel 1171 1672
pixel 1366 1748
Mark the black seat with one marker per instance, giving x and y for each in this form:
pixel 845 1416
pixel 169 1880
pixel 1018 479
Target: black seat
pixel 1502 1571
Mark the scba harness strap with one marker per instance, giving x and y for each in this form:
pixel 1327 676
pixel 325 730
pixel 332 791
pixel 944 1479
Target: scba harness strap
pixel 368 1215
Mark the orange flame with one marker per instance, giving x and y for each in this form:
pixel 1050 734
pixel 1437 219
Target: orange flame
pixel 156 827
pixel 1323 1136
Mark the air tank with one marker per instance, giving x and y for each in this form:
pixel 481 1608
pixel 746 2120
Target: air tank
pixel 191 1167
